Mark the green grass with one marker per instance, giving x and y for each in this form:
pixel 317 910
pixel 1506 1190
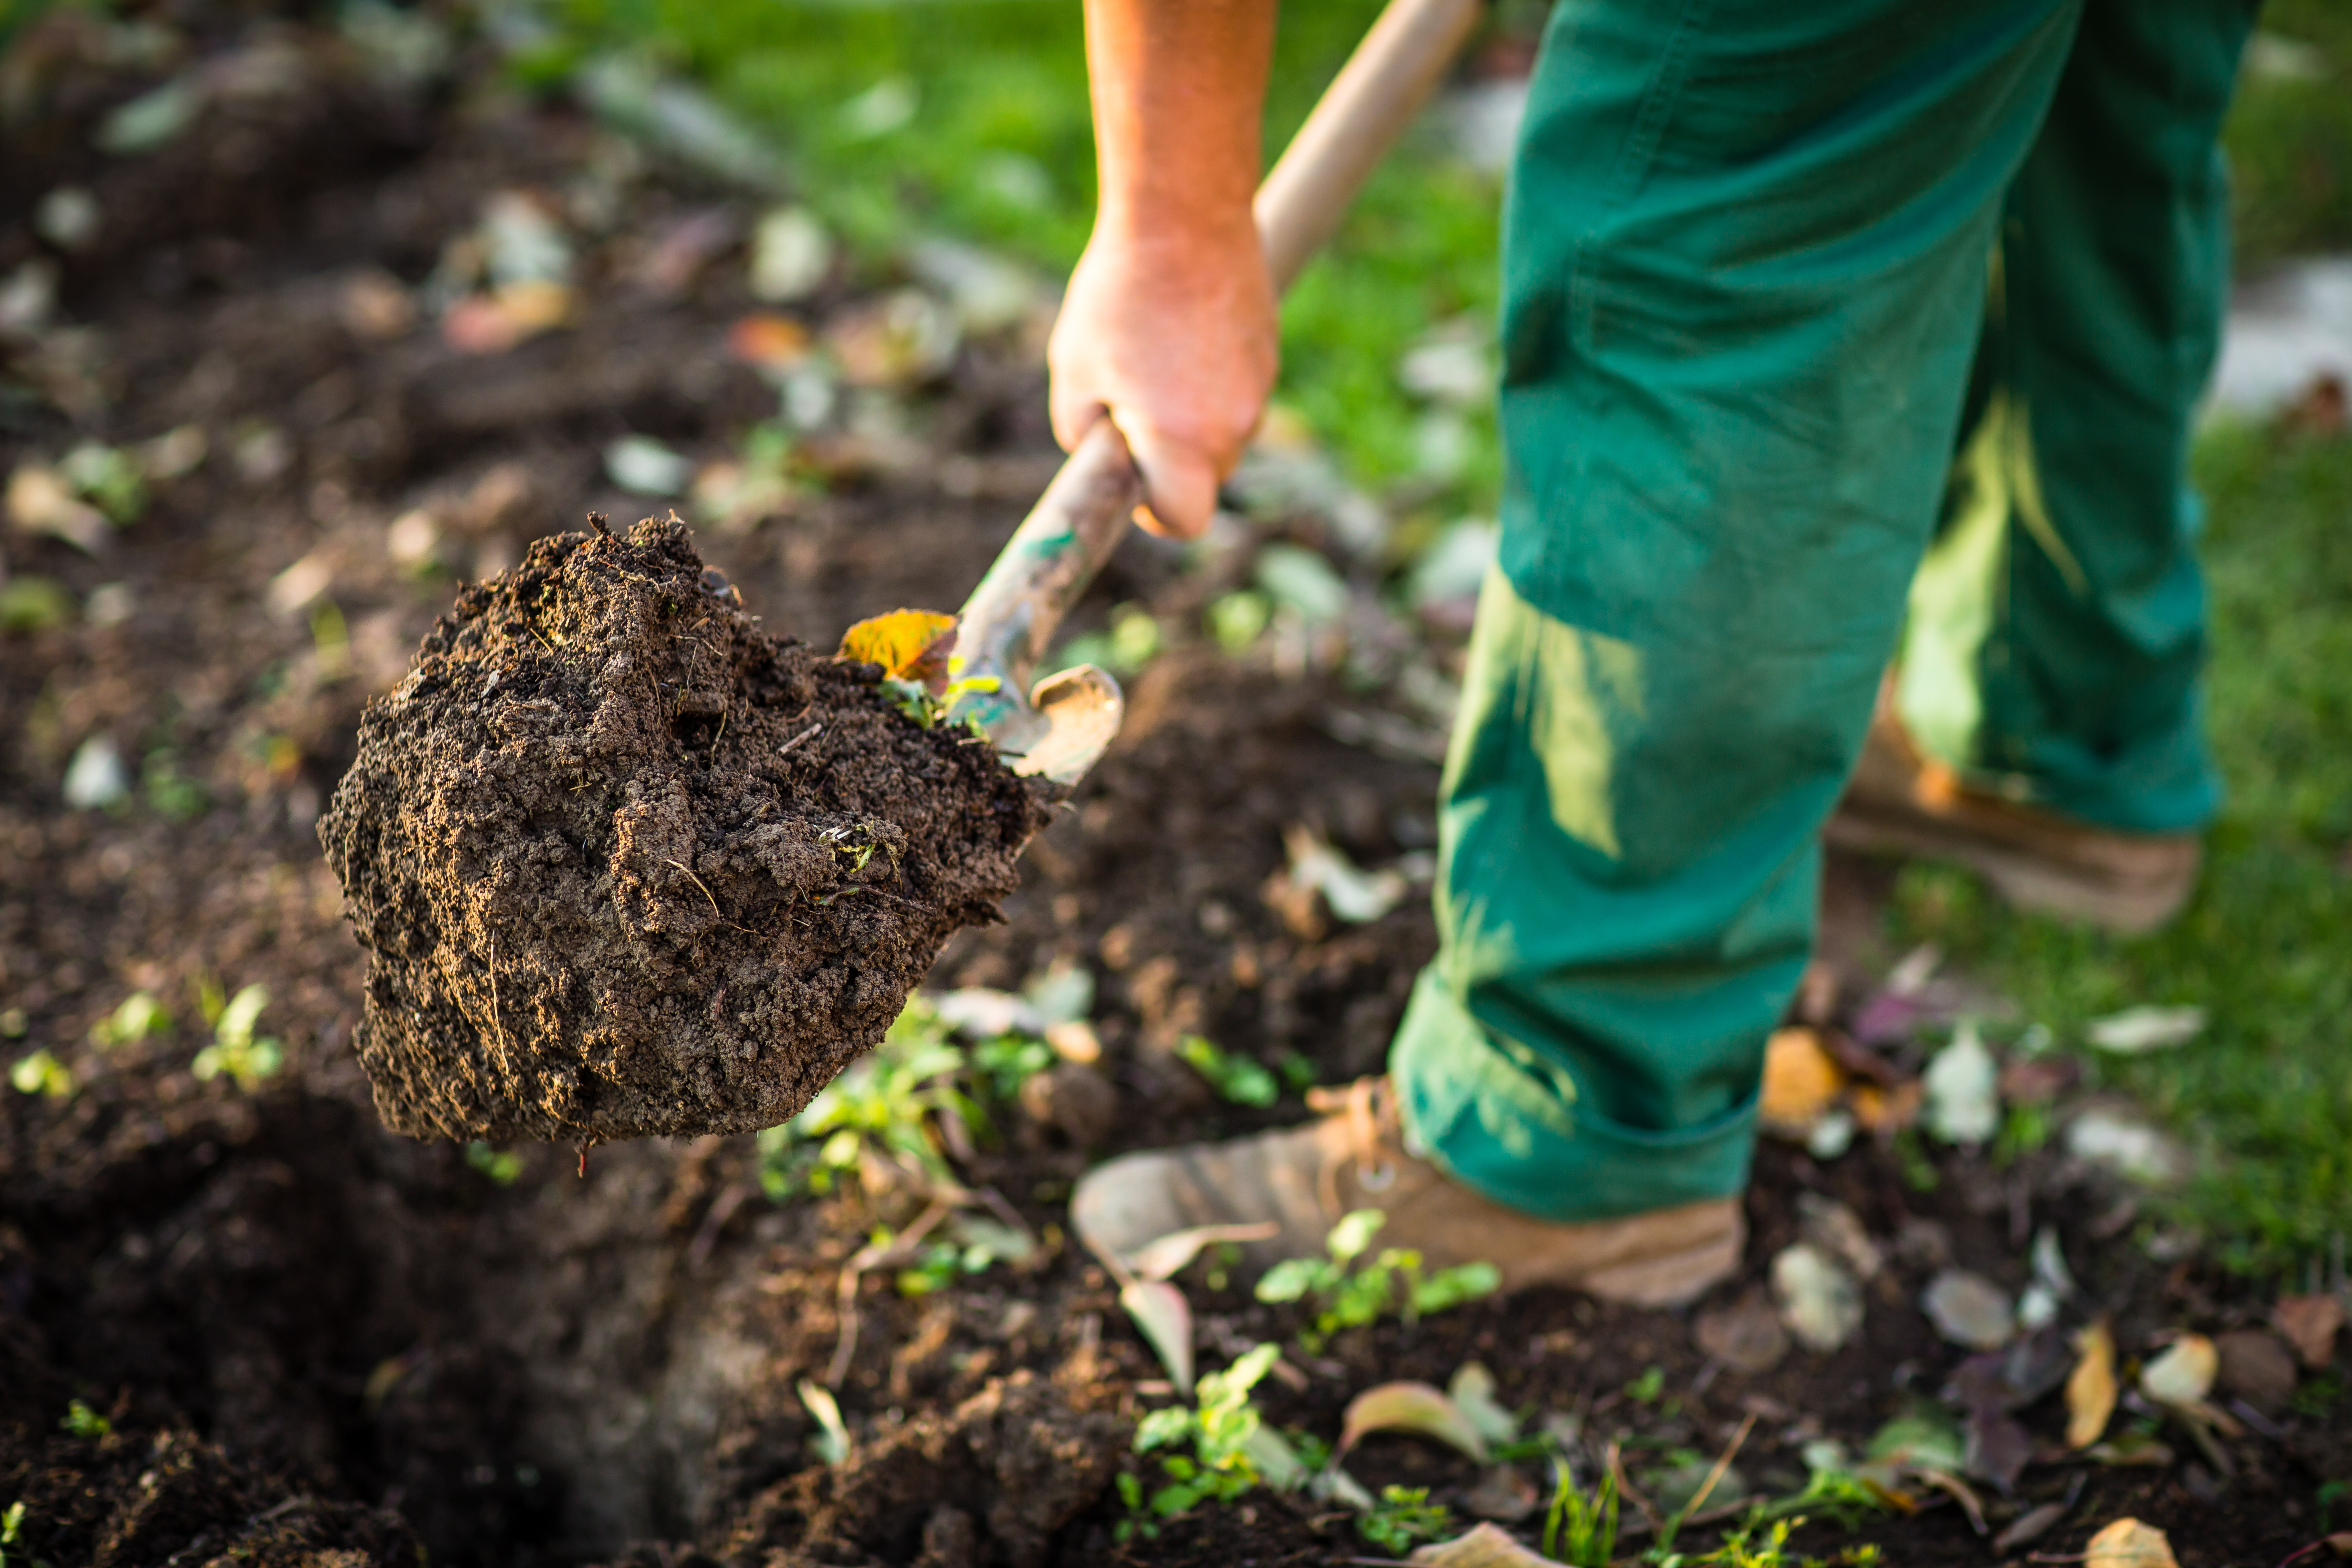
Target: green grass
pixel 999 150
pixel 2266 1096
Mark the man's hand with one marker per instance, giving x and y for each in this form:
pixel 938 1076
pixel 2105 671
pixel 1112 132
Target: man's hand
pixel 1169 325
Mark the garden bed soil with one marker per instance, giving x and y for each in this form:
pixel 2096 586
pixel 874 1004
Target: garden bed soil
pixel 626 865
pixel 314 1342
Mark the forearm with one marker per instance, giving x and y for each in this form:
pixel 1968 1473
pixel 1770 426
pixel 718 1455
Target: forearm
pixel 1178 89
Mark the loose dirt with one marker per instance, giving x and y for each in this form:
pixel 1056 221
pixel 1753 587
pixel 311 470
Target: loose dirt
pixel 626 865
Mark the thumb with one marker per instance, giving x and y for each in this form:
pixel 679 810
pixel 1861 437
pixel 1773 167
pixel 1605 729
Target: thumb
pixel 1179 482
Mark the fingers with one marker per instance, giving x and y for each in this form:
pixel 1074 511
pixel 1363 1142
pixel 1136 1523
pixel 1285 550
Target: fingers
pixel 1180 479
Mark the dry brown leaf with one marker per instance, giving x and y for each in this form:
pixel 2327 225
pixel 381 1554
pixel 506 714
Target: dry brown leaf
pixel 1801 1081
pixel 2184 1373
pixel 905 643
pixel 1886 1112
pixel 2310 1323
pixel 2128 1544
pixel 2091 1389
pixel 1485 1547
pixel 1410 1407
pixel 1746 1336
pixel 2257 1367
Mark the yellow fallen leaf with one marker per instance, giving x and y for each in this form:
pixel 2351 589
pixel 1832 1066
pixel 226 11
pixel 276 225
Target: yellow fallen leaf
pixel 2128 1544
pixel 1801 1081
pixel 1887 1110
pixel 2091 1390
pixel 2184 1373
pixel 906 644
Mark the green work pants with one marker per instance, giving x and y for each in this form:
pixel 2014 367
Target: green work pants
pixel 1753 250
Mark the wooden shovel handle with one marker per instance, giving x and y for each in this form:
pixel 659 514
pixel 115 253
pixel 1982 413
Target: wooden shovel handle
pixel 1010 619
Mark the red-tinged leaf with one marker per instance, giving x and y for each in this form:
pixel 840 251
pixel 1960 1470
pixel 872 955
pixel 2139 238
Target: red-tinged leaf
pixel 1483 1547
pixel 1165 1319
pixel 906 644
pixel 1410 1407
pixel 768 342
pixel 1166 1256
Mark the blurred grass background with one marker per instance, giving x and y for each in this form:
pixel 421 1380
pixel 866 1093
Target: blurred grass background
pixel 969 117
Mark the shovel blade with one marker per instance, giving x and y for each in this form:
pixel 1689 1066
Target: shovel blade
pixel 1082 707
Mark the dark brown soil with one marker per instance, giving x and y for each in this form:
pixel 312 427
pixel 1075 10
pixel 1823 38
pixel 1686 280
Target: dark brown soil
pixel 624 865
pixel 319 1343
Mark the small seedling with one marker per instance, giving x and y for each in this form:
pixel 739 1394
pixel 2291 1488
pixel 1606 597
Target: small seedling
pixel 41 1073
pixel 140 1016
pixel 883 1102
pixel 1230 1074
pixel 1647 1388
pixel 500 1166
pixel 1233 1450
pixel 236 1050
pixel 1403 1519
pixel 1579 1532
pixel 1345 1297
pixel 11 1532
pixel 170 793
pixel 83 1422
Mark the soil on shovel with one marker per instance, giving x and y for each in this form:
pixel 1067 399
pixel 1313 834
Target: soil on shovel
pixel 626 865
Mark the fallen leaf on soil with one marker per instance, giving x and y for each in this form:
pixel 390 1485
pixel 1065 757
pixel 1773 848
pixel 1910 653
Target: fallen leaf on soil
pixel 2137 1030
pixel 2091 1390
pixel 2257 1367
pixel 1997 1449
pixel 768 342
pixel 791 254
pixel 1838 1231
pixel 645 466
pixel 2184 1373
pixel 1969 1309
pixel 1483 1547
pixel 1963 1089
pixel 1165 1257
pixel 2310 1322
pixel 1165 1319
pixel 1924 1439
pixel 1502 1493
pixel 906 644
pixel 39 501
pixel 1887 1110
pixel 1960 1493
pixel 2128 1148
pixel 1410 1407
pixel 1332 1484
pixel 1801 1081
pixel 1820 1302
pixel 2128 1544
pixel 2035 1523
pixel 1353 895
pixel 1746 1336
pixel 2016 1375
pixel 1472 1389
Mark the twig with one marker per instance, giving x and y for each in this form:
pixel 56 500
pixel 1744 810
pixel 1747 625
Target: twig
pixel 1706 1487
pixel 797 739
pixel 1626 1488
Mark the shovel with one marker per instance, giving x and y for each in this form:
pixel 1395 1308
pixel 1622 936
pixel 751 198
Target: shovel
pixel 1066 719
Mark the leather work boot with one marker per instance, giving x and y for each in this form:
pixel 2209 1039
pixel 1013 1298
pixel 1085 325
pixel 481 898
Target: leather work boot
pixel 1303 1179
pixel 1905 802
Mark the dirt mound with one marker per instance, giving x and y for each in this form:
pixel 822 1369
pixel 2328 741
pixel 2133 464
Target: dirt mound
pixel 627 865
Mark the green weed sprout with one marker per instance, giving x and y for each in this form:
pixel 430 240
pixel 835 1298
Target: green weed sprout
pixel 1230 1074
pixel 1403 1519
pixel 42 1073
pixel 11 1532
pixel 140 1016
pixel 236 1050
pixel 1228 1438
pixel 883 1102
pixel 83 1422
pixel 1580 1533
pixel 500 1166
pixel 1346 1296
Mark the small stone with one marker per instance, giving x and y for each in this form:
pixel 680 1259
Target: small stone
pixel 1819 1301
pixel 1744 1336
pixel 1969 1310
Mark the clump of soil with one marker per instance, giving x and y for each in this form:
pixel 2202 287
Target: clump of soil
pixel 627 865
